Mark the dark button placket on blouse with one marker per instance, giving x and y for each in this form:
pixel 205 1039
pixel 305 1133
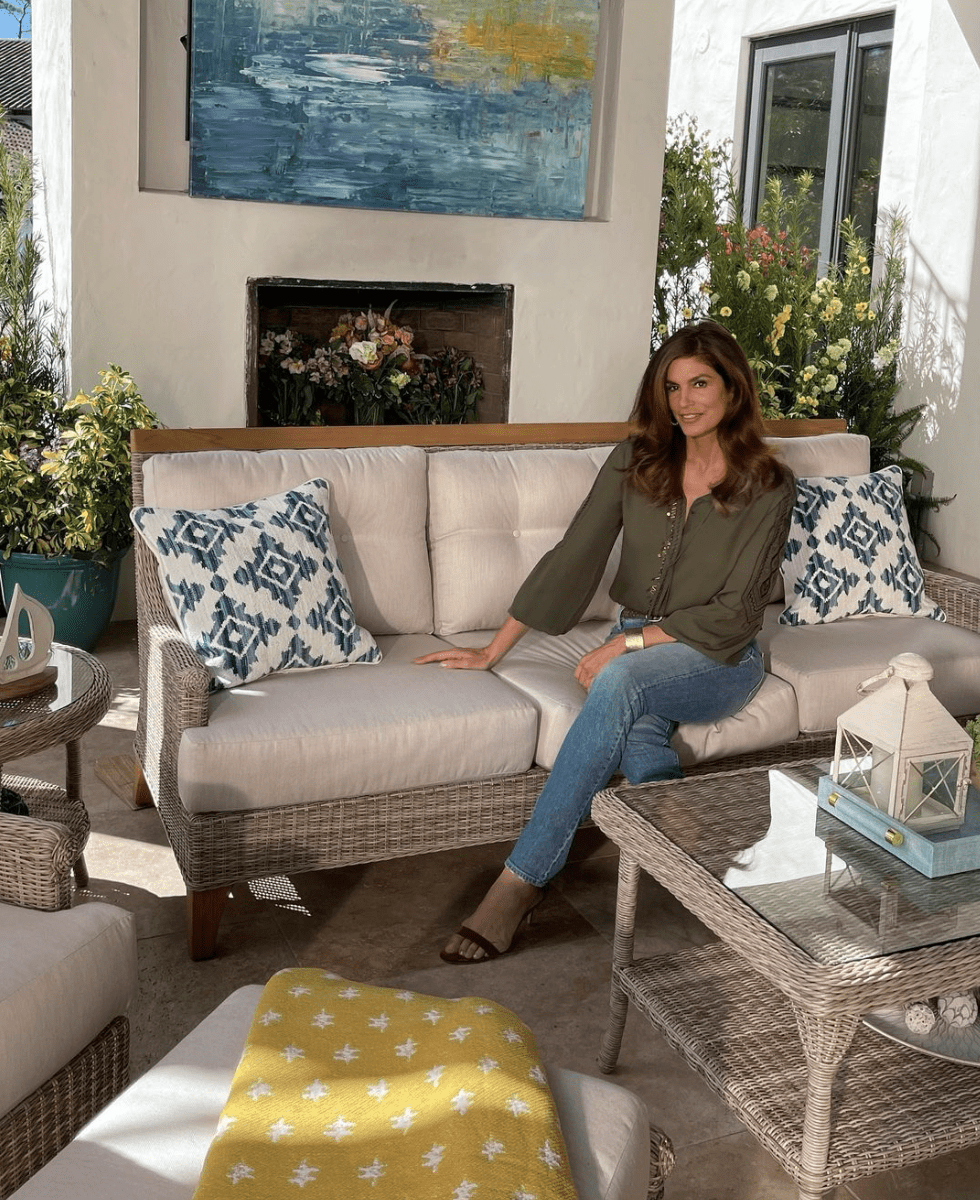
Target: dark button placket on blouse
pixel 667 555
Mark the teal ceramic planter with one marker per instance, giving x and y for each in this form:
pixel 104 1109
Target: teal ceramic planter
pixel 79 593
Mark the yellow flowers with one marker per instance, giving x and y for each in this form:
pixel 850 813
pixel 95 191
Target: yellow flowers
pixel 726 311
pixel 779 325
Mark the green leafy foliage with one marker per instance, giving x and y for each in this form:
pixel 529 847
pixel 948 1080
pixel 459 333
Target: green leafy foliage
pixel 64 464
pixel 973 729
pixel 68 491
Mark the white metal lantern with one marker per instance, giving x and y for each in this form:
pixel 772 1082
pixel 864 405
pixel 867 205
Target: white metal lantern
pixel 900 751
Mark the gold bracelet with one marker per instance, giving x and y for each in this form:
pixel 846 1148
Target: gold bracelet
pixel 634 640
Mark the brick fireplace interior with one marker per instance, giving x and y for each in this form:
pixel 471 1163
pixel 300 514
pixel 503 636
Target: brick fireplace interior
pixel 475 318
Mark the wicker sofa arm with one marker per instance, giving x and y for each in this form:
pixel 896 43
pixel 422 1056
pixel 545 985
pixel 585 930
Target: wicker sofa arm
pixel 174 693
pixel 958 597
pixel 35 863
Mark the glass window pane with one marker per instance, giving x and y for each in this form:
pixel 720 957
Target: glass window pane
pixel 796 126
pixel 862 204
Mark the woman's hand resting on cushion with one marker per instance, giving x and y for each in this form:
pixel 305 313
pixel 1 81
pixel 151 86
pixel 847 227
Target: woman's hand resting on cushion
pixel 460 658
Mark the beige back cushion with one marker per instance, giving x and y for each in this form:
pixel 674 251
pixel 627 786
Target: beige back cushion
pixel 828 454
pixel 377 514
pixel 492 514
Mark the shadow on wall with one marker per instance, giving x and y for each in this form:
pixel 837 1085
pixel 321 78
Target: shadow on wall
pixel 932 358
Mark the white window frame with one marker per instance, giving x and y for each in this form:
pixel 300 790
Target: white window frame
pixel 845 42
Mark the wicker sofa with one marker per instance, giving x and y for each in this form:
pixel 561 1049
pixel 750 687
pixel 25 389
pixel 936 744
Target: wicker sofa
pixel 436 527
pixel 67 979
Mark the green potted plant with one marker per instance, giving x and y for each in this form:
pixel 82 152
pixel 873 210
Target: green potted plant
pixel 65 499
pixel 973 729
pixel 64 464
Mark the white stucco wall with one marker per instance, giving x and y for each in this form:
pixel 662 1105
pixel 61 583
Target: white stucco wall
pixel 930 172
pixel 51 94
pixel 157 280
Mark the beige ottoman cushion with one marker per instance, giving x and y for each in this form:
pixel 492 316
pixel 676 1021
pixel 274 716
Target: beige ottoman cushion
pixel 308 735
pixel 64 977
pixel 377 515
pixel 152 1140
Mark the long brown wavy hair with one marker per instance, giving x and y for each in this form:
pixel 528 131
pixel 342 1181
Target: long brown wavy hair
pixel 659 445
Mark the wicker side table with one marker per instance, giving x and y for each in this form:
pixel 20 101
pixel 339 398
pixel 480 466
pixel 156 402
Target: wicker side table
pixel 767 1015
pixel 58 715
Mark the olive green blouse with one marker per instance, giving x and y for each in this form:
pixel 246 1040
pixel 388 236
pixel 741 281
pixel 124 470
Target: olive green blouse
pixel 706 580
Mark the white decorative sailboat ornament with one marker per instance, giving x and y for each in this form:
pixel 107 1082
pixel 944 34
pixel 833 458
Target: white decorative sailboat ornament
pixel 24 661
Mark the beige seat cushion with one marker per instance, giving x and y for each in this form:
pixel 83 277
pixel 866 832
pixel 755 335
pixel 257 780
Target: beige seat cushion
pixel 377 515
pixel 825 663
pixel 492 514
pixel 543 669
pixel 769 719
pixel 63 977
pixel 152 1140
pixel 321 733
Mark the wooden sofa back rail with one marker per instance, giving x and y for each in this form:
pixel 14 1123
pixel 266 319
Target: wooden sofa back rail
pixel 319 437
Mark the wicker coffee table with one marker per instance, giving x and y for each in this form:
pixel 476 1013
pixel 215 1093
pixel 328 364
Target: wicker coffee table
pixel 58 715
pixel 817 928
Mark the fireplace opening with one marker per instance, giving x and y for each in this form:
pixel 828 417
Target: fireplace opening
pixel 476 319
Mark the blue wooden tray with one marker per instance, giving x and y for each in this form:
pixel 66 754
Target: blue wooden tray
pixel 941 852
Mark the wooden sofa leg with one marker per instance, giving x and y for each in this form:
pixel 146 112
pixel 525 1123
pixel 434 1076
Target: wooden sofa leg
pixel 142 796
pixel 203 912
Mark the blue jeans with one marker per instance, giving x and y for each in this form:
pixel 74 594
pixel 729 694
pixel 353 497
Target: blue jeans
pixel 626 723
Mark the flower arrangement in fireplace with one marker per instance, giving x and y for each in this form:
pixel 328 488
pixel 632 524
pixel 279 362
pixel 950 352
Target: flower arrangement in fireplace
pixel 368 373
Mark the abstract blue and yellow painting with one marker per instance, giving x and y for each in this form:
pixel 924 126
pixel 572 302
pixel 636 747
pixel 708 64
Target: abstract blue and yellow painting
pixel 442 106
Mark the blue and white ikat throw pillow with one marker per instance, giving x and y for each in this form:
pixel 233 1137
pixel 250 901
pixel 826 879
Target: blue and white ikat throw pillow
pixel 257 587
pixel 850 552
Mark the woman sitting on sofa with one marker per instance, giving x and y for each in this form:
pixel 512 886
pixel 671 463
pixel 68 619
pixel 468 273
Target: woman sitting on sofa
pixel 704 509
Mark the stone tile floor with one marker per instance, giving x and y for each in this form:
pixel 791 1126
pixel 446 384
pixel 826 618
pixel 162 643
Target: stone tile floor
pixel 384 922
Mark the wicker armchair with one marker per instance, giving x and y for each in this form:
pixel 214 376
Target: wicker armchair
pixel 35 873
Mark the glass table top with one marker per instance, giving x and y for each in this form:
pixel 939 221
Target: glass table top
pixel 831 891
pixel 73 681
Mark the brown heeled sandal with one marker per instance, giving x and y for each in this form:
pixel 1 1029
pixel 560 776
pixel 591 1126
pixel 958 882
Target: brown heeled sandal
pixel 490 951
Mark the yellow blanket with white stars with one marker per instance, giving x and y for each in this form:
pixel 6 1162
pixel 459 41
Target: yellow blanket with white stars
pixel 346 1090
